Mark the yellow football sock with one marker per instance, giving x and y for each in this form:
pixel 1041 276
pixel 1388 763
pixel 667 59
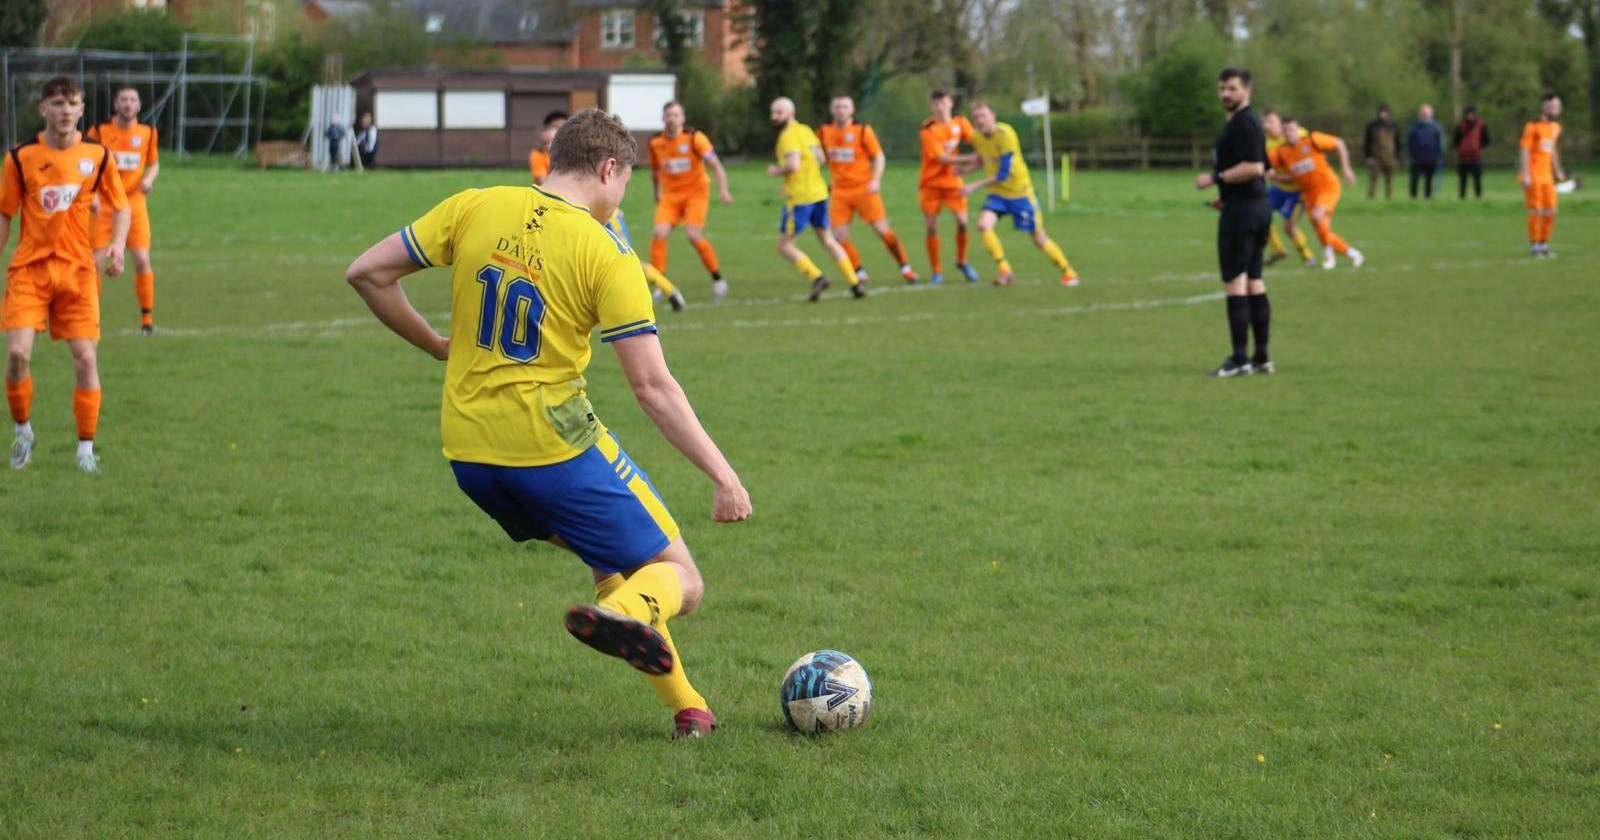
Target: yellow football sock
pixel 1058 259
pixel 808 268
pixel 652 594
pixel 991 243
pixel 1301 244
pixel 659 280
pixel 1275 242
pixel 673 688
pixel 848 270
pixel 1005 268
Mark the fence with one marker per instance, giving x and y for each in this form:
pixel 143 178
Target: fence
pixel 1195 153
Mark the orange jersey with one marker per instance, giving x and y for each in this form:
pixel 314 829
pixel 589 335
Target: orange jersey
pixel 1539 140
pixel 133 149
pixel 851 151
pixel 680 161
pixel 539 165
pixel 53 189
pixel 942 140
pixel 1304 161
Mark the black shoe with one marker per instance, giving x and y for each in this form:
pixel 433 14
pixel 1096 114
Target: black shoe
pixel 677 301
pixel 1276 257
pixel 1232 367
pixel 615 634
pixel 818 286
pixel 147 329
pixel 859 289
pixel 1262 366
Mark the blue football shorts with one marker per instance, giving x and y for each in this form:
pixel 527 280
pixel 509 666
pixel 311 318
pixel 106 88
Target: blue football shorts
pixel 1023 211
pixel 1283 201
pixel 600 503
pixel 797 217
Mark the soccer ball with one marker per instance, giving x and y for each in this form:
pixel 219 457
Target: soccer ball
pixel 826 691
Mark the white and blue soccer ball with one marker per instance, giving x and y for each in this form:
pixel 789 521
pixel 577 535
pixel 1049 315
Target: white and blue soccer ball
pixel 826 691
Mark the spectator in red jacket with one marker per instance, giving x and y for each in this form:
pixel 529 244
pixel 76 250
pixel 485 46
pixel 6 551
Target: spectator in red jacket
pixel 1471 138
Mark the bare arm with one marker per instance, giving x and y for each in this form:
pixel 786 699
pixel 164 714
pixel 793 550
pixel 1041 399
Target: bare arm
pixel 974 186
pixel 1555 165
pixel 1522 167
pixel 879 163
pixel 1344 161
pixel 5 231
pixel 120 222
pixel 376 277
pixel 655 183
pixel 791 163
pixel 722 177
pixel 149 181
pixel 1245 170
pixel 663 400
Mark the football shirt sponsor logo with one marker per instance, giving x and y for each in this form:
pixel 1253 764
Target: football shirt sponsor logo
pixel 56 198
pixel 128 161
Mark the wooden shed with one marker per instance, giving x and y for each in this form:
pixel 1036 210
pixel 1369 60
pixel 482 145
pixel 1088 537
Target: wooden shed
pixel 493 117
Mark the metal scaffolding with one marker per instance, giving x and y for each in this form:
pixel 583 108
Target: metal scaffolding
pixel 201 101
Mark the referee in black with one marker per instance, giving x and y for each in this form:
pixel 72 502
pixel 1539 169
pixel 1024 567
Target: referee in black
pixel 1238 163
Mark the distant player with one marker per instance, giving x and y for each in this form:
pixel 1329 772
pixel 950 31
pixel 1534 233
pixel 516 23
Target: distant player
pixel 539 158
pixel 1300 158
pixel 1010 194
pixel 663 287
pixel 52 279
pixel 1284 198
pixel 805 200
pixel 679 157
pixel 856 162
pixel 133 149
pixel 939 184
pixel 534 272
pixel 1539 168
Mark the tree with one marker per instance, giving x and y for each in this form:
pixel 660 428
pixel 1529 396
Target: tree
pixel 1585 14
pixel 136 30
pixel 1176 94
pixel 20 21
pixel 674 40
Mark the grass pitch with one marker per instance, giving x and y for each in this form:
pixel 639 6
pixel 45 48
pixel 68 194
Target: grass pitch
pixel 1100 594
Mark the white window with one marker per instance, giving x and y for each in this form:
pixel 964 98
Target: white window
pixel 528 23
pixel 149 4
pixel 406 109
pixel 616 29
pixel 435 23
pixel 474 109
pixel 694 22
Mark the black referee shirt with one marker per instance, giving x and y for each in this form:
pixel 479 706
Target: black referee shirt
pixel 1240 141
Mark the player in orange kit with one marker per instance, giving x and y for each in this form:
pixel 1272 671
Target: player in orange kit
pixel 1539 168
pixel 52 280
pixel 133 152
pixel 940 183
pixel 856 162
pixel 679 157
pixel 1300 159
pixel 539 159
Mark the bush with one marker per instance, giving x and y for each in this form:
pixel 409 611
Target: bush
pixel 134 31
pixel 1176 95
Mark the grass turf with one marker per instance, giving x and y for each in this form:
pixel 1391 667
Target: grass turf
pixel 1100 594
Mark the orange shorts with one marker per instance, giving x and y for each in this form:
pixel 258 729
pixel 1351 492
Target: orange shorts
pixel 947 197
pixel 1540 196
pixel 59 293
pixel 683 208
pixel 845 205
pixel 138 229
pixel 1328 198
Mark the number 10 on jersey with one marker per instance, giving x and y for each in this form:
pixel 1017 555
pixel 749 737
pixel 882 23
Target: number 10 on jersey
pixel 512 308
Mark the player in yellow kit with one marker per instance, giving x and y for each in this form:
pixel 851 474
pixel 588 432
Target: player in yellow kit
pixel 1010 194
pixel 533 274
pixel 1284 199
pixel 805 200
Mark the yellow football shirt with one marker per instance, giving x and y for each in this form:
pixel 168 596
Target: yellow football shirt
pixel 1286 186
pixel 1002 151
pixel 804 185
pixel 532 276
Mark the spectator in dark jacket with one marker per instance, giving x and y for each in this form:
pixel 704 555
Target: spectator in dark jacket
pixel 1382 151
pixel 1425 147
pixel 1470 139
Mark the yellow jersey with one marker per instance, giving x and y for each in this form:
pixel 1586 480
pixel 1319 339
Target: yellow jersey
pixel 1272 145
pixel 532 276
pixel 1002 160
pixel 804 185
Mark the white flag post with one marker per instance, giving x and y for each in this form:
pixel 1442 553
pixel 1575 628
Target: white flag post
pixel 1040 107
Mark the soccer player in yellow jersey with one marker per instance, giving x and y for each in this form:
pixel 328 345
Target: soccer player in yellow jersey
pixel 1010 194
pixel 1284 198
pixel 533 273
pixel 663 287
pixel 1538 169
pixel 805 200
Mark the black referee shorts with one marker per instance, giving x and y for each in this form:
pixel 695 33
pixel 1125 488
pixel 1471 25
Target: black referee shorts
pixel 1242 237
